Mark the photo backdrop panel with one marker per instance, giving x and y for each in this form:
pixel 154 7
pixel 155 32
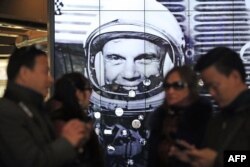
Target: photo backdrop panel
pixel 245 50
pixel 122 5
pixel 60 6
pixel 185 29
pixel 218 23
pixel 74 26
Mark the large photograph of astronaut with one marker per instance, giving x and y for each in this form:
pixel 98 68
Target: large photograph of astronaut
pixel 125 48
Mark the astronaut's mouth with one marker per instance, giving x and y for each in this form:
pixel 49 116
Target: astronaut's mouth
pixel 130 88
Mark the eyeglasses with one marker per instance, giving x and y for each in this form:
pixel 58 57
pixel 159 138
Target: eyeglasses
pixel 175 85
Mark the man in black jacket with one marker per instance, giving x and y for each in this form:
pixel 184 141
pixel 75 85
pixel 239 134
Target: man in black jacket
pixel 224 76
pixel 26 136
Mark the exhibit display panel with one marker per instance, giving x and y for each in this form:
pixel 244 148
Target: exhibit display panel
pixel 125 48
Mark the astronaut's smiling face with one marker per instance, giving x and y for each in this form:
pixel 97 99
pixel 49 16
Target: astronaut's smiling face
pixel 128 62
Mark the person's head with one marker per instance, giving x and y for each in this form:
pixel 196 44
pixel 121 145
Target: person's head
pixel 28 66
pixel 223 73
pixel 181 86
pixel 73 90
pixel 130 67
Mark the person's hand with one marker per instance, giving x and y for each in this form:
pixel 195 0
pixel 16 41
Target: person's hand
pixel 75 132
pixel 202 157
pixel 181 154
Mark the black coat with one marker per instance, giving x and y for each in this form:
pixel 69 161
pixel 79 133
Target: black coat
pixel 93 155
pixel 168 124
pixel 230 128
pixel 26 135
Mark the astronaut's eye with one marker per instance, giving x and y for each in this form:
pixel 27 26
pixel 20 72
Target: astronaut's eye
pixel 114 59
pixel 147 58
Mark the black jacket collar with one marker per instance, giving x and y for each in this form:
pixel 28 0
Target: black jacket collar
pixel 239 103
pixel 20 93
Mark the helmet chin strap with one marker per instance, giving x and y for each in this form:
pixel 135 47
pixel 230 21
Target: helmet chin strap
pixel 168 64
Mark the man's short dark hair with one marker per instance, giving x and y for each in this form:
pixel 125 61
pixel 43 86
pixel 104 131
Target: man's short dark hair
pixel 225 60
pixel 24 56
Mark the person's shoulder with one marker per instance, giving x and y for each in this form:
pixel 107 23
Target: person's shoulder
pixel 155 117
pixel 10 110
pixel 247 92
pixel 245 110
pixel 6 104
pixel 159 111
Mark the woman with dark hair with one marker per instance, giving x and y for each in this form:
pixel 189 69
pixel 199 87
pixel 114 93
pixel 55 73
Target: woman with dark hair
pixel 183 116
pixel 70 101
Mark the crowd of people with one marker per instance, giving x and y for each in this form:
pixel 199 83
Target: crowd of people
pixel 184 129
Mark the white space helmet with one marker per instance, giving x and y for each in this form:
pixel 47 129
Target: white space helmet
pixel 133 19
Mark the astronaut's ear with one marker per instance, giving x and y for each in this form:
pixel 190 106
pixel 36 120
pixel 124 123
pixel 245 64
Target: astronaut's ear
pixel 99 68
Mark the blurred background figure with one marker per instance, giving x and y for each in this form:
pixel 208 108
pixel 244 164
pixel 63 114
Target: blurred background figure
pixel 70 101
pixel 26 132
pixel 224 76
pixel 184 115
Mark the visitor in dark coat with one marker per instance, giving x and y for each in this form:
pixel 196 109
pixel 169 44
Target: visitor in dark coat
pixel 183 116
